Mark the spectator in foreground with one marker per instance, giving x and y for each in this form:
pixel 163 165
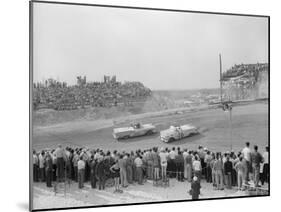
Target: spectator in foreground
pixel 49 169
pixel 35 167
pixel 163 162
pixel 246 152
pixel 139 170
pixel 256 162
pixel 75 166
pixel 61 157
pixel 116 175
pixel 188 161
pixel 179 160
pixel 42 166
pixel 218 169
pixel 156 164
pixel 197 167
pixel 81 172
pixel 265 172
pixel 195 188
pixel 100 172
pixel 123 170
pixel 93 164
pixel 240 169
pixel 208 172
pixel 228 172
pixel 129 163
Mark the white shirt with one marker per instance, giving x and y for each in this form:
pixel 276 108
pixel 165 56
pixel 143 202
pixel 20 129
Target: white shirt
pixel 172 155
pixel 246 153
pixel 35 159
pixel 265 157
pixel 184 154
pixel 163 158
pixel 81 164
pixel 41 161
pixel 197 165
pixel 97 155
pixel 138 162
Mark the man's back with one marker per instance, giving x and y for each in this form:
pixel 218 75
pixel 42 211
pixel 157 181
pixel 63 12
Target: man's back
pixel 179 159
pixel 197 165
pixel 247 153
pixel 256 158
pixel 172 155
pixel 228 166
pixel 218 165
pixel 155 159
pixel 265 157
pixel 81 165
pixel 100 168
pixel 188 159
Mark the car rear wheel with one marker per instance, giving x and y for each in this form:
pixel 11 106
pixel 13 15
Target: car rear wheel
pixel 126 137
pixel 171 140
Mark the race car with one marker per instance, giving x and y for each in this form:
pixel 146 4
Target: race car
pixel 177 132
pixel 134 130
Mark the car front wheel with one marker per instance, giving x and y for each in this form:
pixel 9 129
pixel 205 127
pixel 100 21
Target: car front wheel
pixel 149 132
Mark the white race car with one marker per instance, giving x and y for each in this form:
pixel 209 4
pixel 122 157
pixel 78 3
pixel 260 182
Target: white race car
pixel 134 131
pixel 177 133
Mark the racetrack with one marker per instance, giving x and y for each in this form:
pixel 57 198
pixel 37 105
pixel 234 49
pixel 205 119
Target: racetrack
pixel 249 123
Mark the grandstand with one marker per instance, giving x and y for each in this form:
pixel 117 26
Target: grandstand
pixel 60 96
pixel 246 81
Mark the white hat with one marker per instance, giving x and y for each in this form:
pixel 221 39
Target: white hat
pixel 195 178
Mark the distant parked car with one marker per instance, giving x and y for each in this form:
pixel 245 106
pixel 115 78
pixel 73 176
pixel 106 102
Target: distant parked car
pixel 134 130
pixel 177 133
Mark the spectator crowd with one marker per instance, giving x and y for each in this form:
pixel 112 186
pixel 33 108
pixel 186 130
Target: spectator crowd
pixel 123 168
pixel 60 96
pixel 243 81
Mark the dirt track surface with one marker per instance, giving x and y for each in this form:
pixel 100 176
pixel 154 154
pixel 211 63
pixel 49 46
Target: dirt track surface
pixel 249 123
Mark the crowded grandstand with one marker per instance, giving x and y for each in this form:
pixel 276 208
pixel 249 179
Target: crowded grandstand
pixel 246 81
pixel 60 96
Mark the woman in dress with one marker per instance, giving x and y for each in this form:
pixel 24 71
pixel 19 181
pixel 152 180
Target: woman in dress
pixel 116 175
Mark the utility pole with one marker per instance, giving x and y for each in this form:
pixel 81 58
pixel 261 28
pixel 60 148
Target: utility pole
pixel 226 105
pixel 220 77
pixel 230 125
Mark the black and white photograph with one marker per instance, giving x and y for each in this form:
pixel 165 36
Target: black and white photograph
pixel 132 105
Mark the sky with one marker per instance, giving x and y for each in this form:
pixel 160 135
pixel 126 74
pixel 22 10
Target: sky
pixel 163 50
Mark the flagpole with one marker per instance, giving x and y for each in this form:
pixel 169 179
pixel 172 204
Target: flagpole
pixel 220 76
